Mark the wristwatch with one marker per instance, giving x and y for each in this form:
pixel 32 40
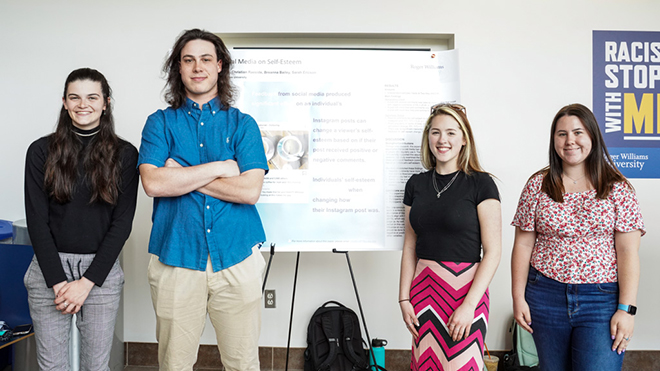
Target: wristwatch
pixel 630 309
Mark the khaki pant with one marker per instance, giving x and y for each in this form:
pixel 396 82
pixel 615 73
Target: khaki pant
pixel 232 298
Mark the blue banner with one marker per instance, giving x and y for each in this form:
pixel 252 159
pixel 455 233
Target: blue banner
pixel 626 100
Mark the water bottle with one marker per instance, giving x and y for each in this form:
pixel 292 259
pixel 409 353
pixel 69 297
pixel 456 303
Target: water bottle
pixel 378 349
pixel 5 332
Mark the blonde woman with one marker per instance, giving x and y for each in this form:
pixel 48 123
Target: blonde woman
pixel 452 246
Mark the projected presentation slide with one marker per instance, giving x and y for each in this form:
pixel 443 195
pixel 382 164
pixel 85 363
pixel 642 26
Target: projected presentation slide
pixel 341 131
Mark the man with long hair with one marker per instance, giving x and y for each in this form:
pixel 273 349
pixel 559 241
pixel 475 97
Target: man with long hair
pixel 203 163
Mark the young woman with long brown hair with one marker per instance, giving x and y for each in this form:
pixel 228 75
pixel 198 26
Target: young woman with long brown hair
pixel 575 261
pixel 80 195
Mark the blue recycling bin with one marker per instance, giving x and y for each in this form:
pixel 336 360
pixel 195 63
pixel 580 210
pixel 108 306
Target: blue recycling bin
pixel 15 256
pixel 6 232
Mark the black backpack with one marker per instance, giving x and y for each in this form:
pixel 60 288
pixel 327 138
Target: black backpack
pixel 334 340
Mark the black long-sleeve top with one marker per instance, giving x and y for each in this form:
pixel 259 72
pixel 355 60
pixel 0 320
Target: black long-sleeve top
pixel 77 226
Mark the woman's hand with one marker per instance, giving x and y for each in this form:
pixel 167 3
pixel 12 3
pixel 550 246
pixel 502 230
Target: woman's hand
pixel 522 315
pixel 460 322
pixel 622 326
pixel 57 287
pixel 72 295
pixel 409 317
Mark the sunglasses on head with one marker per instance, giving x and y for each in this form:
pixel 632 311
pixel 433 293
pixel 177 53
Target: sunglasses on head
pixel 454 106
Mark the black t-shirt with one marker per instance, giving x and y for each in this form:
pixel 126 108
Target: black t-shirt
pixel 448 228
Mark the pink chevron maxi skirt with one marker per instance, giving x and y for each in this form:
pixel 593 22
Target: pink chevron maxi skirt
pixel 437 290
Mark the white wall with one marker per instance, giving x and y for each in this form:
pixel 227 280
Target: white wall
pixel 520 62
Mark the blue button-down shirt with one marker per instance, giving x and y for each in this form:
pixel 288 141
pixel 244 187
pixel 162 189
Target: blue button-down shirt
pixel 190 228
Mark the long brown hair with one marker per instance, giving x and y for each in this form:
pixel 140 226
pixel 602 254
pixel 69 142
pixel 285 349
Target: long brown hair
pixel 468 161
pixel 100 158
pixel 600 169
pixel 175 91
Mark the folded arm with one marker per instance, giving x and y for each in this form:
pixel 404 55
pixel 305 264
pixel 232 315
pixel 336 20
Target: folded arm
pixel 243 188
pixel 173 181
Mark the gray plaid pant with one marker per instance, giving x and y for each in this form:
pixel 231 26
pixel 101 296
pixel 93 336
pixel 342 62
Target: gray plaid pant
pixel 95 320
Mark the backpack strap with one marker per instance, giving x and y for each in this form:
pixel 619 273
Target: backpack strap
pixel 358 362
pixel 333 342
pixel 333 302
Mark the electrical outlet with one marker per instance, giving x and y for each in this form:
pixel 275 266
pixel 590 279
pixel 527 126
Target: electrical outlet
pixel 269 299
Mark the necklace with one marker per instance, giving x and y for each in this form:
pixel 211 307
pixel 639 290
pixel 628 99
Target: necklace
pixel 435 185
pixel 574 180
pixel 86 135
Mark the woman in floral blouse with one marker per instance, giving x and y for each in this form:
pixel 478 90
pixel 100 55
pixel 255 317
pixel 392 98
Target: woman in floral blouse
pixel 575 261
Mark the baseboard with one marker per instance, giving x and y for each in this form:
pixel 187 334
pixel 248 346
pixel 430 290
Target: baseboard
pixel 274 358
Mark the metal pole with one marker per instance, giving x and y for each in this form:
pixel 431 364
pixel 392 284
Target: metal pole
pixel 270 259
pixel 364 322
pixel 293 300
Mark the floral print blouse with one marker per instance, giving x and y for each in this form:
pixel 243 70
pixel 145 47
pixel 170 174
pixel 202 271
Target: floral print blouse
pixel 575 239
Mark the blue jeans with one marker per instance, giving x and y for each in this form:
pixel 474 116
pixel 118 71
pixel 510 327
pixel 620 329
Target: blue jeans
pixel 571 324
